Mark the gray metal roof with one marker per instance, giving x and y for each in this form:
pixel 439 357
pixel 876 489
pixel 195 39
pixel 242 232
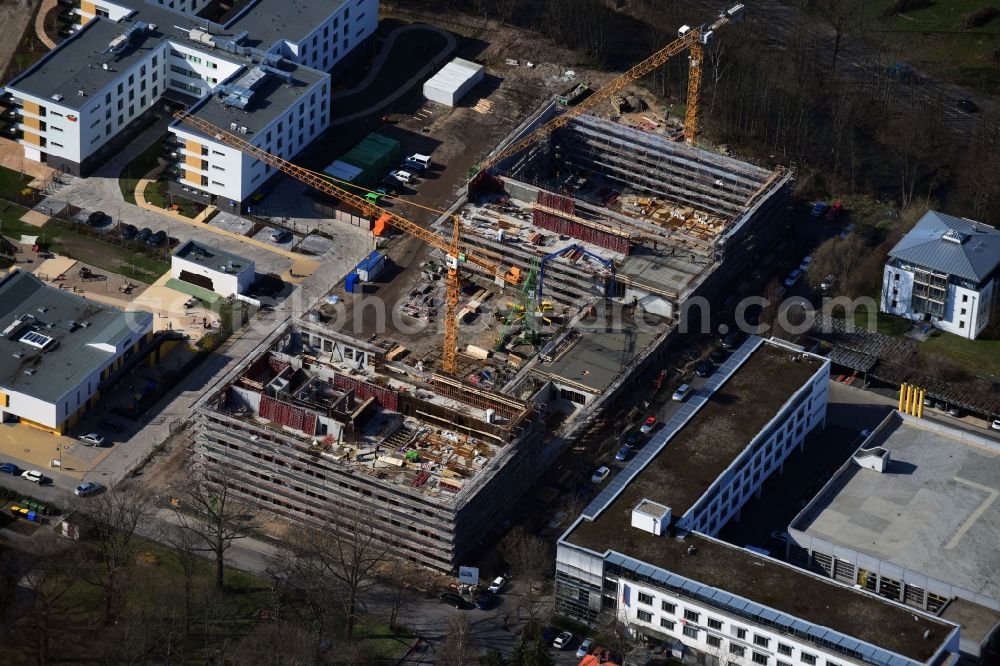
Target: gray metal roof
pixel 213 257
pixel 952 245
pixel 74 325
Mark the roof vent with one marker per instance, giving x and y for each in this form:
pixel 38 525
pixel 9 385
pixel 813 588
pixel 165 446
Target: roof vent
pixel 19 354
pixel 243 130
pixel 954 236
pixel 651 517
pixel 29 371
pixel 57 97
pixel 80 93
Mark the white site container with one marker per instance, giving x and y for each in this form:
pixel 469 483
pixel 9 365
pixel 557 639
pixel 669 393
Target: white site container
pixel 453 81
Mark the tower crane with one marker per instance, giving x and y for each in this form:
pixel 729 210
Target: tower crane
pixel 453 249
pixel 689 38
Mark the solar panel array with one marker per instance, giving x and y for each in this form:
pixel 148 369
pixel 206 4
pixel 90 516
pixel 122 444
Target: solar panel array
pixel 659 440
pixel 36 339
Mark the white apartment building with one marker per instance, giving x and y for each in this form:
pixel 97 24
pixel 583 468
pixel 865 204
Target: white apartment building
pixel 944 271
pixel 58 350
pixel 644 550
pixel 86 99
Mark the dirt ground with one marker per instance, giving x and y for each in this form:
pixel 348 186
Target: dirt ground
pixel 14 18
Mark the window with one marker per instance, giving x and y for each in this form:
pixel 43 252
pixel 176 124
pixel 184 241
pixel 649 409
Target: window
pixel 668 607
pixel 121 88
pixel 645 616
pixel 762 641
pixel 691 615
pixel 131 79
pixel 217 168
pixel 759 658
pixel 211 65
pixel 740 633
pixel 155 60
pixel 690 632
pixel 961 324
pixel 58 129
pixel 738 650
pixel 963 310
pixel 645 598
pixel 785 649
pixel 714 624
pixel 57 145
pixel 714 641
pixel 667 624
pixel 808 659
pixel 965 298
pixel 215 182
pixel 107 100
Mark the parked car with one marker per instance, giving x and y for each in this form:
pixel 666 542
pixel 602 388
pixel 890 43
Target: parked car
pixel 954 411
pixel 623 452
pixel 806 260
pixel 819 209
pixel 601 473
pixel 96 218
pixel 108 424
pixel 826 286
pixel 143 234
pixel 157 239
pixel 128 232
pixel 793 278
pixel 995 425
pixel 373 197
pixel 704 369
pixel 865 434
pixel 718 355
pixel 278 236
pixel 13 470
pixel 33 475
pixel 418 162
pixel 485 600
pixel 562 640
pixel 634 438
pixel 402 176
pixel 731 341
pixel 452 599
pixel 87 488
pixel 497 584
pixel 681 393
pixel 92 439
pixel 584 648
pixel 648 425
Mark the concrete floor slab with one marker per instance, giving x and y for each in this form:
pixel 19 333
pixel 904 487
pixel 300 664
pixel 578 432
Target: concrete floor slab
pixel 231 223
pixel 315 244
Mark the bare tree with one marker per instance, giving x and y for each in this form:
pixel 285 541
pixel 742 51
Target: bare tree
pixel 610 629
pixel 531 562
pixel 221 516
pixel 841 15
pixel 457 648
pixel 185 547
pixel 348 550
pixel 115 517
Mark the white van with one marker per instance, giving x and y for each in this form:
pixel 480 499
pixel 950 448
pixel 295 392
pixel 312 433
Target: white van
pixel 418 161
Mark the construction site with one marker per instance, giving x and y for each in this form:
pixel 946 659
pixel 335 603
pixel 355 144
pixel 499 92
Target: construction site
pixel 561 270
pixel 315 425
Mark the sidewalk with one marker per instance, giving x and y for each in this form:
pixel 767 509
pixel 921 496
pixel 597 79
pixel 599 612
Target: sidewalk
pixel 43 11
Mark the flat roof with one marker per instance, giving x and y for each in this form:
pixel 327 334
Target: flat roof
pixel 932 511
pixel 210 256
pixel 76 64
pixel 693 458
pixel 269 101
pixel 74 325
pixel 597 357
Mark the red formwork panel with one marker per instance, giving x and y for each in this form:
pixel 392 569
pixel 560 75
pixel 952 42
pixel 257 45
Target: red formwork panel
pixel 287 415
pixel 386 398
pixel 572 228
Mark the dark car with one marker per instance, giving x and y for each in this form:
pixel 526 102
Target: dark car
pixel 967 105
pixel 718 355
pixel 485 600
pixel 157 239
pixel 10 468
pixel 623 453
pixel 731 341
pixel 145 233
pixel 452 599
pixel 704 369
pixel 129 231
pixel 96 218
pixel 633 438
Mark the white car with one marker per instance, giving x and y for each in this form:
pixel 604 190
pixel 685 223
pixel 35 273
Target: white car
pixel 497 584
pixel 681 393
pixel 92 439
pixel 600 474
pixel 806 260
pixel 793 277
pixel 402 176
pixel 562 640
pixel 33 475
pixel 995 424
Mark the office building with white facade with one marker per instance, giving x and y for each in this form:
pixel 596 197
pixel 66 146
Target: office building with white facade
pixel 59 351
pixel 264 67
pixel 644 551
pixel 210 268
pixel 944 271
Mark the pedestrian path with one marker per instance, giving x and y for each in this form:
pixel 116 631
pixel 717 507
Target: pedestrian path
pixel 43 11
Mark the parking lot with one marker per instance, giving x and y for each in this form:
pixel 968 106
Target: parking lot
pixel 287 241
pixel 231 223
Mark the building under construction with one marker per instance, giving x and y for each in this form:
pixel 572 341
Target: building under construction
pixel 316 425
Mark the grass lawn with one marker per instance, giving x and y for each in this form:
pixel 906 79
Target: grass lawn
pixel 11 225
pixel 12 182
pixel 138 168
pixel 981 357
pixel 156 194
pixel 883 323
pixel 932 39
pixel 104 255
